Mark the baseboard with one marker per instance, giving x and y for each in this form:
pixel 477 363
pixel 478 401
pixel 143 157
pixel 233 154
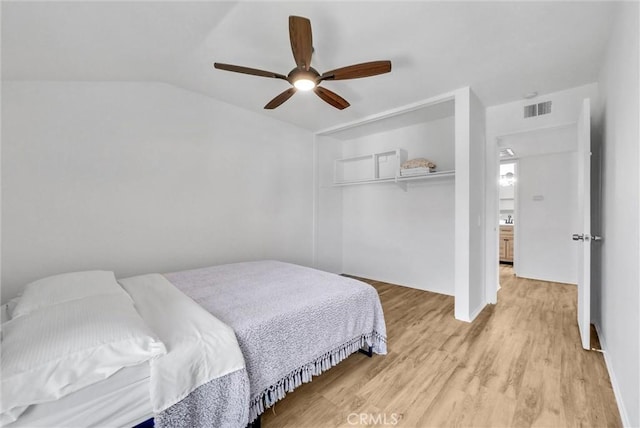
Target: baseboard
pixel 475 313
pixel 545 279
pixel 614 382
pixel 400 283
pixel 472 316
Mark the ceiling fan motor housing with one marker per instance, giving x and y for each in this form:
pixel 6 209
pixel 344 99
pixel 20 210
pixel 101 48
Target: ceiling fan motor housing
pixel 297 74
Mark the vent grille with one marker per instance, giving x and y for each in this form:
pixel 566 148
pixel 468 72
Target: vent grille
pixel 544 108
pixel 530 111
pixel 539 109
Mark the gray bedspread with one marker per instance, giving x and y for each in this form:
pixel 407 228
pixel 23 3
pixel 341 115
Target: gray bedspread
pixel 220 403
pixel 291 322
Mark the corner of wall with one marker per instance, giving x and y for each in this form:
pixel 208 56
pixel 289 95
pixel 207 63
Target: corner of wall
pixel 462 190
pixel 624 415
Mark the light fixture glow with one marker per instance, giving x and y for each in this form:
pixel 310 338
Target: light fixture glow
pixel 508 179
pixel 507 153
pixel 304 84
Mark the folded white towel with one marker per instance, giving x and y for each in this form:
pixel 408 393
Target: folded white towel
pixel 416 171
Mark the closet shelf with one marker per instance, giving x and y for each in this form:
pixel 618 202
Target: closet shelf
pixel 398 179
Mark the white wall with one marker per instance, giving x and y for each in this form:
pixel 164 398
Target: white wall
pixel 397 236
pixel 477 192
pixel 328 208
pixel 547 217
pixel 505 119
pixel 470 193
pixel 618 289
pixel 144 177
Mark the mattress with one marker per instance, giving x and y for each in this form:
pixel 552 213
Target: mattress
pixel 122 400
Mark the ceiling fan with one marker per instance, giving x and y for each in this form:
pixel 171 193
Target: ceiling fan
pixel 304 77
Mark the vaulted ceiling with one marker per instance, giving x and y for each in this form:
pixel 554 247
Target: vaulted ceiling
pixel 501 49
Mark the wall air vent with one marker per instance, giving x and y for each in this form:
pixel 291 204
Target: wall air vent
pixel 544 108
pixel 537 109
pixel 530 110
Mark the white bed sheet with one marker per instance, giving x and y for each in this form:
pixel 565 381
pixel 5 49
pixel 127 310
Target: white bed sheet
pixel 122 400
pixel 200 347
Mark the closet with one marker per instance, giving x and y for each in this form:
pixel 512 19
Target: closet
pixel 374 220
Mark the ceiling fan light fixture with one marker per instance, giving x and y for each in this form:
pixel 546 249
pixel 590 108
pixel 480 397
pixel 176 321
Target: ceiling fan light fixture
pixel 304 84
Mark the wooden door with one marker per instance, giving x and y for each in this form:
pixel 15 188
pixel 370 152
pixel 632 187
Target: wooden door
pixel 508 243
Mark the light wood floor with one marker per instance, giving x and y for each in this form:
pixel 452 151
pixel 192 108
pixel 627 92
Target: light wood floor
pixel 518 364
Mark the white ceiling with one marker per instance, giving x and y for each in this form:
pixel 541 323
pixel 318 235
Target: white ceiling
pixel 501 49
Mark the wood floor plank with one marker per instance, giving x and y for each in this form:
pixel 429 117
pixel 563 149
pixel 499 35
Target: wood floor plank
pixel 520 363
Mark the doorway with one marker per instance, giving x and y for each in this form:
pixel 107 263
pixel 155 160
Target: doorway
pixel 507 212
pixel 552 204
pixel 541 199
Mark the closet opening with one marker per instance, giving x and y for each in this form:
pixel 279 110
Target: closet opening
pixel 396 198
pixel 387 199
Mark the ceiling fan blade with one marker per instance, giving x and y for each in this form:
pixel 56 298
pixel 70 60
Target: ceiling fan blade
pixel 331 97
pixel 247 70
pixel 282 97
pixel 301 41
pixel 356 71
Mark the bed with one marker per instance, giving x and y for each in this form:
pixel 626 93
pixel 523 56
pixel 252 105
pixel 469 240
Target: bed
pixel 290 323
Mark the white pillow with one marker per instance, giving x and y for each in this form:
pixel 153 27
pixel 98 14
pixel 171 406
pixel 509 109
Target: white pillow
pixel 64 288
pixel 60 349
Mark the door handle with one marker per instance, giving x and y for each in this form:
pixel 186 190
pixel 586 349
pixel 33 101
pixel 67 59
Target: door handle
pixel 581 237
